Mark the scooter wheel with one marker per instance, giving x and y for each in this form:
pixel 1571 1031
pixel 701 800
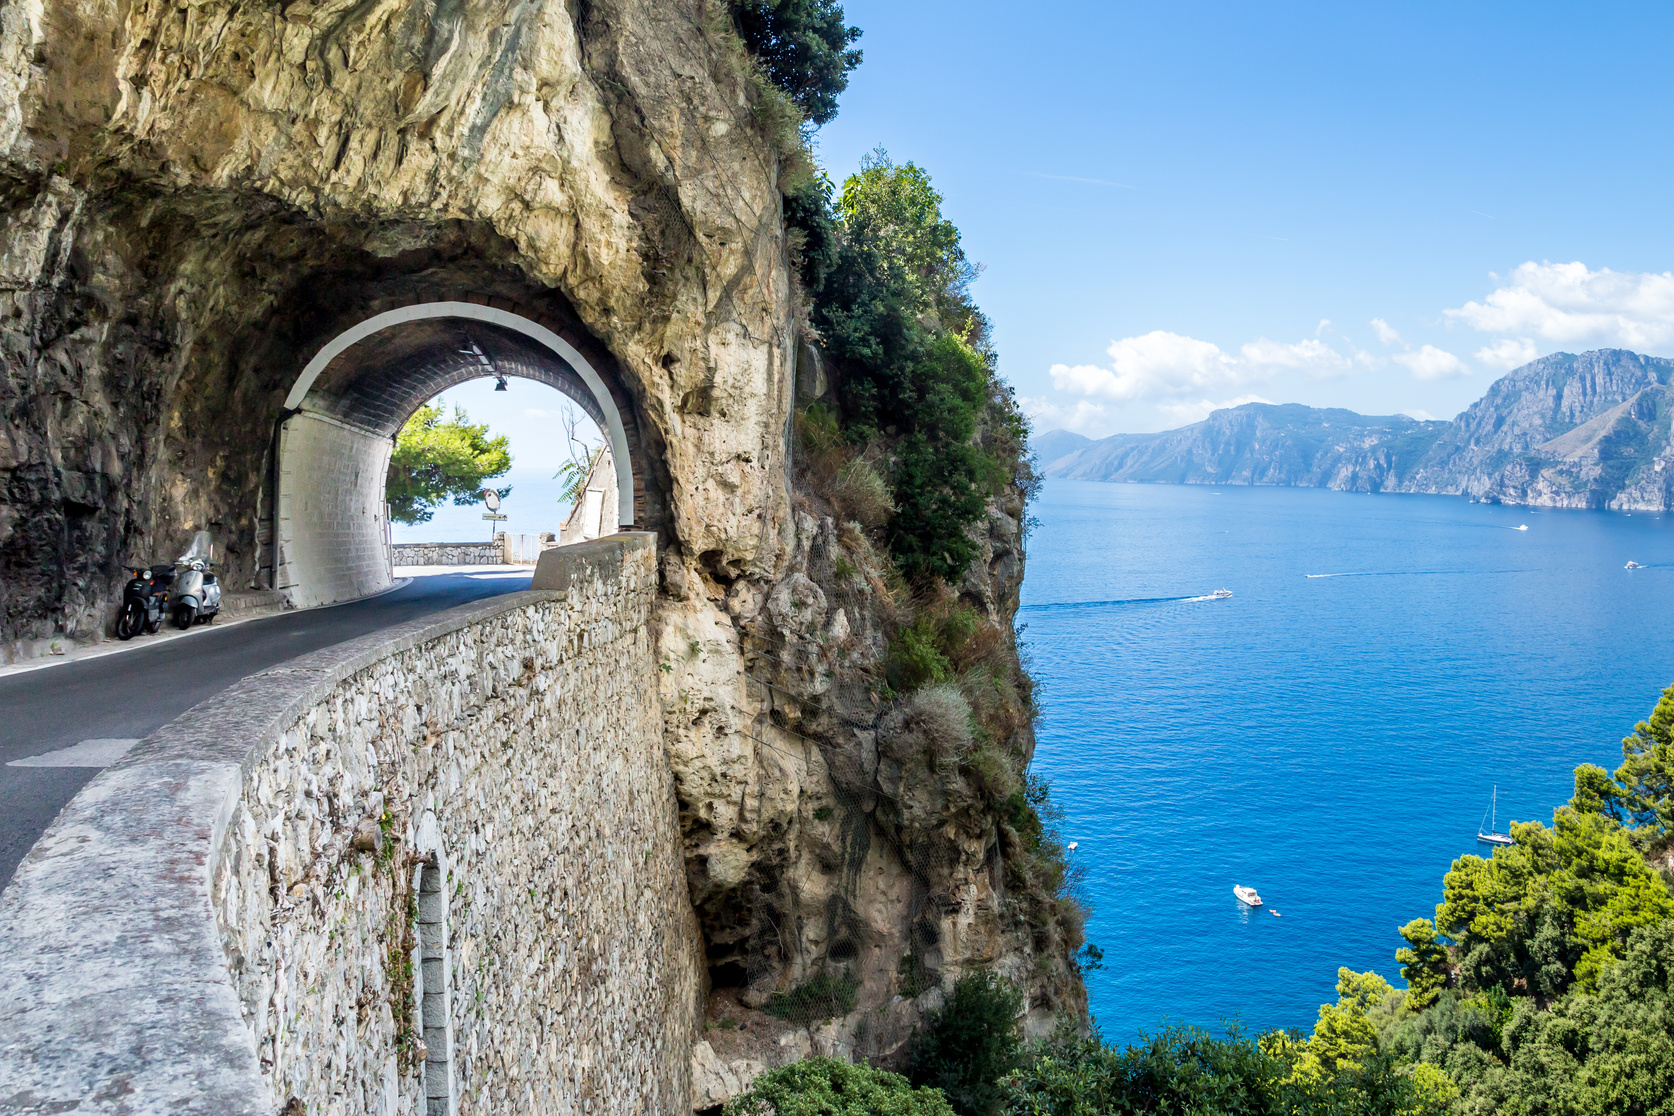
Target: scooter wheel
pixel 154 624
pixel 131 622
pixel 184 617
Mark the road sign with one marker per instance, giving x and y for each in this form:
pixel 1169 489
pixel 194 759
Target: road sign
pixel 491 515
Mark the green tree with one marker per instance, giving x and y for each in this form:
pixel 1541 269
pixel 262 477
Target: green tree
pixel 1640 795
pixel 1345 1038
pixel 437 458
pixel 827 1087
pixel 1423 962
pixel 1583 875
pixel 804 48
pixel 970 1043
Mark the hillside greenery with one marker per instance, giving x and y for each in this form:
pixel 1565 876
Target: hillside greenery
pixel 918 395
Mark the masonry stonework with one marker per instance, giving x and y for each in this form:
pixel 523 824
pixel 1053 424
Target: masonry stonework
pixel 267 864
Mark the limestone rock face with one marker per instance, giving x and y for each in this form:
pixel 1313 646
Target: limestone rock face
pixel 194 198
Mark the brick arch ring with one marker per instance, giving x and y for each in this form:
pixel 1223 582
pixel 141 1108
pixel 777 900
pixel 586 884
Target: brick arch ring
pixel 505 319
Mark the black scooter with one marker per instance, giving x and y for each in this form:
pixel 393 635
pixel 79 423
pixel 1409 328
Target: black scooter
pixel 145 600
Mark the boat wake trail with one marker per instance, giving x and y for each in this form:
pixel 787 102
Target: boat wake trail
pixel 1064 605
pixel 1385 573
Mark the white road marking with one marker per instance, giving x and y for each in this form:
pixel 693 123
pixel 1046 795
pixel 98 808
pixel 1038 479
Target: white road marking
pixel 101 752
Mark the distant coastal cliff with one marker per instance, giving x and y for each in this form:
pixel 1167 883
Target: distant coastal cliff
pixel 1567 431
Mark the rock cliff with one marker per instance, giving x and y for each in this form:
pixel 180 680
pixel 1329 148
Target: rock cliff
pixel 1577 431
pixel 195 198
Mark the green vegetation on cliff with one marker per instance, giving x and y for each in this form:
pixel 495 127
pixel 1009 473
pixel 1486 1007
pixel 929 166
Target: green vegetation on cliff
pixel 916 377
pixel 803 47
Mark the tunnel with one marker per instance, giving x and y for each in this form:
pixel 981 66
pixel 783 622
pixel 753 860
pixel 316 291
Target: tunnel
pixel 328 532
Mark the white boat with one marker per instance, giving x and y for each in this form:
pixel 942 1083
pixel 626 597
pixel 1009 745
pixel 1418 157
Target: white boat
pixel 1247 895
pixel 1632 565
pixel 1492 835
pixel 1220 594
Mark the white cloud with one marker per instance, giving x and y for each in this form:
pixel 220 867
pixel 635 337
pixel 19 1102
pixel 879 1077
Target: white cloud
pixel 1431 363
pixel 1324 324
pixel 1508 352
pixel 1421 416
pixel 1160 365
pixel 1386 333
pixel 1314 357
pixel 1568 304
pixel 1047 415
pixel 1186 413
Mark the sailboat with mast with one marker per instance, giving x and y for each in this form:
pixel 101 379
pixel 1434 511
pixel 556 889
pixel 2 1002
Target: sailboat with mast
pixel 1492 834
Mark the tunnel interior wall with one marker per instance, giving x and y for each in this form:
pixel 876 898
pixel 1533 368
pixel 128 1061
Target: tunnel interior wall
pixel 333 535
pixel 211 926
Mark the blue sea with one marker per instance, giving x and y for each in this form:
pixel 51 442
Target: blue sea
pixel 1331 734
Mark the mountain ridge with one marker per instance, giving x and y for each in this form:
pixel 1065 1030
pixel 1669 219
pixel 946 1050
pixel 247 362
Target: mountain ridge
pixel 1588 430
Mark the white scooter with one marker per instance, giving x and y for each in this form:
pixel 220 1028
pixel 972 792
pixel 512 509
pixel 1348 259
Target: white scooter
pixel 196 594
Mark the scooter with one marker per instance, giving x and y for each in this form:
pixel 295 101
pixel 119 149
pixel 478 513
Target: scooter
pixel 196 598
pixel 144 600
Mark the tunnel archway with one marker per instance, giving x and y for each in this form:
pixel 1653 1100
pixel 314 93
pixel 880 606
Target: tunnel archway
pixel 342 413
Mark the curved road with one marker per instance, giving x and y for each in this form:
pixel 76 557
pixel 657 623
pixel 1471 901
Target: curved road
pixel 102 703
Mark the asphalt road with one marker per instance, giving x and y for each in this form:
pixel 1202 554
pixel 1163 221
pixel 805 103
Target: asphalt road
pixel 128 696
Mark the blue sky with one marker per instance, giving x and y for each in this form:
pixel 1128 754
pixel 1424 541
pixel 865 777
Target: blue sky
pixel 1171 198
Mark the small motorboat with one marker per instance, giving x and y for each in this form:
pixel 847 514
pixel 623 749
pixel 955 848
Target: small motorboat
pixel 1632 565
pixel 1247 896
pixel 1522 527
pixel 1220 594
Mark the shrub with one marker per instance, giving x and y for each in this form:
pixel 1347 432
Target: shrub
pixel 862 494
pixel 817 999
pixel 827 1087
pixel 971 1043
pixel 916 657
pixel 934 721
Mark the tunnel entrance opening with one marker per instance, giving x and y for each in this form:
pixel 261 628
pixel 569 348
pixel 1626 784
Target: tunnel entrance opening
pixel 329 528
pixel 556 482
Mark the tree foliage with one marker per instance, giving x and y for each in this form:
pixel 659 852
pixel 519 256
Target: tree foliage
pixel 438 458
pixel 1187 1071
pixel 1556 906
pixel 804 48
pixel 890 284
pixel 1423 962
pixel 1546 984
pixel 827 1087
pixel 1640 795
pixel 970 1043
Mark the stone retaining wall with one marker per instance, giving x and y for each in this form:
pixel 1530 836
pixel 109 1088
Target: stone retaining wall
pixel 442 860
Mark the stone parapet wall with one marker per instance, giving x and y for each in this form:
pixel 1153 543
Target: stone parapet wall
pixel 449 554
pixel 444 859
pixel 505 550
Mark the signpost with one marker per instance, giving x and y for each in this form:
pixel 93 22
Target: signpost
pixel 492 499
